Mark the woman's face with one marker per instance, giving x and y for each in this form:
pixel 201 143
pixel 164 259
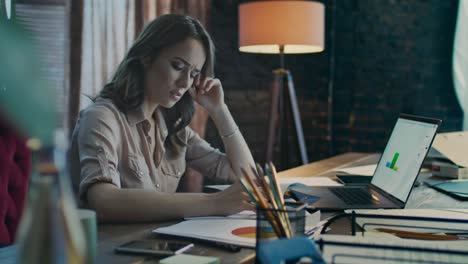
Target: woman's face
pixel 173 71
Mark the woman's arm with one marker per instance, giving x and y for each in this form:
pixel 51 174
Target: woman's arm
pixel 113 204
pixel 235 146
pixel 209 93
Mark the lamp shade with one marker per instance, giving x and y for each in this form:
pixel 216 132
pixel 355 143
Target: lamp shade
pixel 298 26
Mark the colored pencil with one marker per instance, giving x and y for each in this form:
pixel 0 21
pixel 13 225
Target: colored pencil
pixel 274 220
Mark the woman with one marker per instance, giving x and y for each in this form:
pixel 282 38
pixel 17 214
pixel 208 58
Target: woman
pixel 132 145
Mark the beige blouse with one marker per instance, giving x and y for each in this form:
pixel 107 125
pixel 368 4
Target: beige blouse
pixel 115 147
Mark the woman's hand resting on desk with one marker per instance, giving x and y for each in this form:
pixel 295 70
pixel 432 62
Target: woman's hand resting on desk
pixel 232 200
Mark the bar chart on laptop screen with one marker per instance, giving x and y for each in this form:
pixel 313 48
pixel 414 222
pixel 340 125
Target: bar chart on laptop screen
pixel 403 156
pixel 392 164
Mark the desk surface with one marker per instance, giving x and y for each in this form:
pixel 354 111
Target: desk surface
pixel 327 166
pixel 111 235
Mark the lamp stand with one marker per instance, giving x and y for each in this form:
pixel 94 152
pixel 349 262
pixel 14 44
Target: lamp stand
pixel 283 106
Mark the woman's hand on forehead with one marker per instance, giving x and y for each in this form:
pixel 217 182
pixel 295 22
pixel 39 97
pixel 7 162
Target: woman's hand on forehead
pixel 207 91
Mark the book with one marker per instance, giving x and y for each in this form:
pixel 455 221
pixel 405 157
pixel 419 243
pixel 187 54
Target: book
pixel 418 220
pixel 449 159
pixel 358 249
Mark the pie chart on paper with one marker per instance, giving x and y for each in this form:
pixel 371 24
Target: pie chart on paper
pixel 249 232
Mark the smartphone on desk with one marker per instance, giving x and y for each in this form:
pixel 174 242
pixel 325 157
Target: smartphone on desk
pixel 351 179
pixel 153 247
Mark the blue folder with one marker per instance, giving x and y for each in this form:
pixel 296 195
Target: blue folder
pixel 456 189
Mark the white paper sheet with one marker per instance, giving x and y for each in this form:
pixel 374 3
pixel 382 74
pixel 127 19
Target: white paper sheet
pixel 309 181
pixel 242 215
pixel 219 187
pixel 312 220
pixel 223 229
pixel 285 182
pixel 220 230
pixel 367 170
pixel 453 145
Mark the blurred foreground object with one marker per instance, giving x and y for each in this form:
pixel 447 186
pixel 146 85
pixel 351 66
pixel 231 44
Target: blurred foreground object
pixel 15 168
pixel 50 230
pixel 25 100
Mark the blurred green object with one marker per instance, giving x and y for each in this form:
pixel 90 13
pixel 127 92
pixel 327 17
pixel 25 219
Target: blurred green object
pixel 26 101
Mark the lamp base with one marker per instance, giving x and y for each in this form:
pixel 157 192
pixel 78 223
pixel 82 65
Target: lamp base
pixel 283 111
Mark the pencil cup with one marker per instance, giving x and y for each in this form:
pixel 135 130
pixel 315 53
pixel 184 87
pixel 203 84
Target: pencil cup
pixel 272 224
pixel 88 222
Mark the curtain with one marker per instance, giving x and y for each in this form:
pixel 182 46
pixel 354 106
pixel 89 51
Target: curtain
pixel 460 60
pixel 108 32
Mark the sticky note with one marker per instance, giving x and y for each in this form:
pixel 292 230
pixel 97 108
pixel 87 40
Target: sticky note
pixel 185 258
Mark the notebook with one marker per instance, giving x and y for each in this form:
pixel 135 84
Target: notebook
pixel 458 189
pixel 431 221
pixel 395 174
pixel 356 249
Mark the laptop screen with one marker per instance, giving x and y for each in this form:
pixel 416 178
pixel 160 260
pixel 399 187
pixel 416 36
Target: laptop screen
pixel 402 158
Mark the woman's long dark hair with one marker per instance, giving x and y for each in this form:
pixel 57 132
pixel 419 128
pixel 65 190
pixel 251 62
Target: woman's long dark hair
pixel 126 89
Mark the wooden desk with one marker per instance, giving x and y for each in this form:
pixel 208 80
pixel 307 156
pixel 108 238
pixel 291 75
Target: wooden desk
pixel 421 196
pixel 110 236
pixel 327 166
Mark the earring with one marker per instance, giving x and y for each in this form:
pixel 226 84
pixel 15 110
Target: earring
pixel 177 122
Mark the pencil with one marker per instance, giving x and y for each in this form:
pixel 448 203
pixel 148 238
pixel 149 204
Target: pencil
pixel 269 174
pixel 273 196
pixel 275 182
pixel 283 215
pixel 277 226
pixel 249 191
pixel 270 195
pixel 263 205
pixel 260 178
pixel 280 196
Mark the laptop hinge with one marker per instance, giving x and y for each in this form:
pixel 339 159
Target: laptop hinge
pixel 388 196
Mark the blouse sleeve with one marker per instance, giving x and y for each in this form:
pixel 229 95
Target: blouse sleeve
pixel 209 161
pixel 97 138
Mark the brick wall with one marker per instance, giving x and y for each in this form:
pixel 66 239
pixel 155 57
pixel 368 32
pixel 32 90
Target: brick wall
pixel 390 56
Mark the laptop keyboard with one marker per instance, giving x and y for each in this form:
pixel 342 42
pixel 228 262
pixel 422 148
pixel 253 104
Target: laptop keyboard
pixel 352 195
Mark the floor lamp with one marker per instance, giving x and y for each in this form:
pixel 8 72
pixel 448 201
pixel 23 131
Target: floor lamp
pixel 282 27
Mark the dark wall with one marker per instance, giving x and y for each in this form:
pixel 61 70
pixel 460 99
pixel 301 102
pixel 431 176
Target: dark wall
pixel 382 57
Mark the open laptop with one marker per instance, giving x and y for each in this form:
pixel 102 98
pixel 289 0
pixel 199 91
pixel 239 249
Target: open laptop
pixel 395 174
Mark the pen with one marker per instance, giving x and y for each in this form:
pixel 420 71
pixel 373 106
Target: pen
pixel 216 244
pixel 180 251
